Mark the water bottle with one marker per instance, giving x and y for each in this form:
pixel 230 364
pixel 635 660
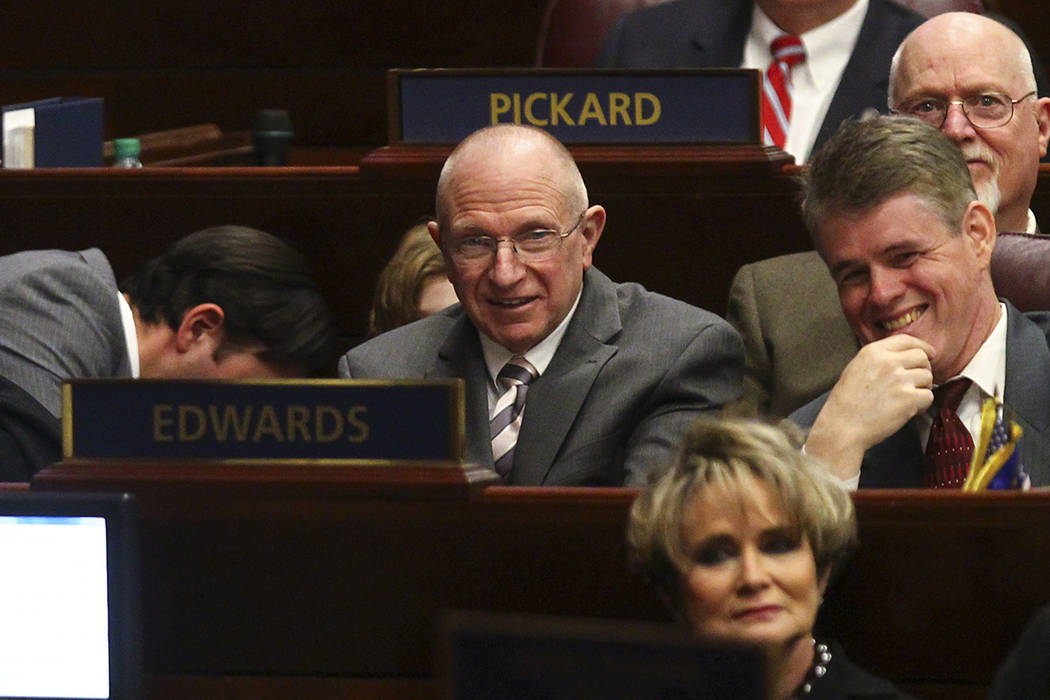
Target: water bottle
pixel 126 153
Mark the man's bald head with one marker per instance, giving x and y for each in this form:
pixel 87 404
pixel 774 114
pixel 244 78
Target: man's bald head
pixel 519 186
pixel 959 56
pixel 954 35
pixel 509 146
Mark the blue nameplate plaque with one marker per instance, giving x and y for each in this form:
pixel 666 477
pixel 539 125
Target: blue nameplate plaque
pixel 697 106
pixel 330 420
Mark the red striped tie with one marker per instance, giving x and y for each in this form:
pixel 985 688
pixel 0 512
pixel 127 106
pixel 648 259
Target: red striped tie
pixel 787 52
pixel 950 447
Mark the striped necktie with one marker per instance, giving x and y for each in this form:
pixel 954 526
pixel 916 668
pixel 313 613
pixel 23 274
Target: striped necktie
pixel 514 378
pixel 950 446
pixel 787 52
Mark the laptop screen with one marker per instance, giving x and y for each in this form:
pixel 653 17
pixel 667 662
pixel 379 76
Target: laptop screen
pixel 523 657
pixel 68 596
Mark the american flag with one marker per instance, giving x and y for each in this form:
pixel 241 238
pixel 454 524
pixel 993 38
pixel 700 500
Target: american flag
pixel 996 460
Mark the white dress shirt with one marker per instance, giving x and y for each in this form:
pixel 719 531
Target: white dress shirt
pixel 815 80
pixel 131 339
pixel 539 355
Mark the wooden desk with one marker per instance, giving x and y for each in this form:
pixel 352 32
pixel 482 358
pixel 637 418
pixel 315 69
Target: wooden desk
pixel 278 581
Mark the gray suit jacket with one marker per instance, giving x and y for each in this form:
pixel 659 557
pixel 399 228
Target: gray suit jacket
pixel 705 33
pixel 59 319
pixel 633 370
pixel 796 340
pixel 896 462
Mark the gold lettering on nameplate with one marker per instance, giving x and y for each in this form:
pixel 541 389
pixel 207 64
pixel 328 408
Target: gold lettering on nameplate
pixel 163 422
pixel 355 418
pixel 265 423
pixel 268 425
pixel 568 109
pixel 192 423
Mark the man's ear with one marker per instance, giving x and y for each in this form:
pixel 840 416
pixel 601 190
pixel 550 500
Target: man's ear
pixel 978 224
pixel 201 323
pixel 435 232
pixel 590 231
pixel 1042 119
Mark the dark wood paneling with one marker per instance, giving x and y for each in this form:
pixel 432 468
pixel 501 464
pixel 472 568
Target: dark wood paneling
pixel 1033 17
pixel 254 572
pixel 169 63
pixel 683 233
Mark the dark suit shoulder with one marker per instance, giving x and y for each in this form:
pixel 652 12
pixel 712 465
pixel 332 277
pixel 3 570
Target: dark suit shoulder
pixel 885 26
pixel 846 680
pixel 665 15
pixel 1041 319
pixel 805 417
pixel 635 300
pixel 91 263
pixel 664 35
pixel 402 353
pixel 895 16
pixel 1026 671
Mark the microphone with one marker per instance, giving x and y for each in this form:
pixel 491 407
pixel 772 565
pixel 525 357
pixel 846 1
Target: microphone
pixel 272 135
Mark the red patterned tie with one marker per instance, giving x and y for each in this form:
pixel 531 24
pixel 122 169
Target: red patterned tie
pixel 787 52
pixel 950 447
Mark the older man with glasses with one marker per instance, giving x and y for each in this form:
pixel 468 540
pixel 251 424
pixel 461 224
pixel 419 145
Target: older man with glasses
pixel 570 378
pixel 971 77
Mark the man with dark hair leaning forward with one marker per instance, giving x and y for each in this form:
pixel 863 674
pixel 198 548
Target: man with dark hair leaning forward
pixel 226 302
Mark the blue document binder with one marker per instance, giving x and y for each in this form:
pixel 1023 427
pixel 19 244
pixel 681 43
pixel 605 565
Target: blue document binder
pixel 68 131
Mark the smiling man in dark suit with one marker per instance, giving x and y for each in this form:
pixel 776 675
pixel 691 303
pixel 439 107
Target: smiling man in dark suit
pixel 619 372
pixel 892 210
pixel 848 46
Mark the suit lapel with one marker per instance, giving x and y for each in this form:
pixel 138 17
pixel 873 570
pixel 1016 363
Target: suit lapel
pixel 865 78
pixel 1027 376
pixel 460 356
pixel 555 398
pixel 721 31
pixel 896 462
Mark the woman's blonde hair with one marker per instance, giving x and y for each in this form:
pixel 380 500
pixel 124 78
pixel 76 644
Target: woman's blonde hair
pixel 401 282
pixel 716 454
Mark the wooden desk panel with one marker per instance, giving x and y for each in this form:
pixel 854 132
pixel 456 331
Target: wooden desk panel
pixel 681 228
pixel 326 573
pixel 683 234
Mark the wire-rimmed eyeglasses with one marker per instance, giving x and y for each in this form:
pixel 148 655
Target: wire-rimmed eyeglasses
pixel 529 246
pixel 986 110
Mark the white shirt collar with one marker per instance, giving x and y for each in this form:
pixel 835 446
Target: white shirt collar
pixel 1033 226
pixel 814 81
pixel 828 47
pixel 987 368
pixel 987 371
pixel 540 355
pixel 131 339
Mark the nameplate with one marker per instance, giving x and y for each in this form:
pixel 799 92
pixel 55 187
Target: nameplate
pixel 339 421
pixel 707 106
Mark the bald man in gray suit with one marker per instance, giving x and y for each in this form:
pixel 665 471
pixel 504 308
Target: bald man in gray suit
pixel 621 371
